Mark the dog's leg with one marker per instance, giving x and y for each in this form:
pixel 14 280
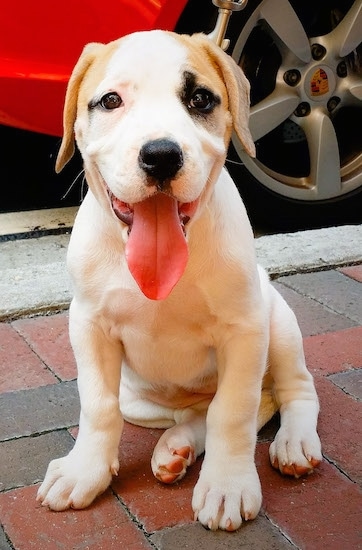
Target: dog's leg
pixel 296 449
pixel 76 479
pixel 179 446
pixel 229 486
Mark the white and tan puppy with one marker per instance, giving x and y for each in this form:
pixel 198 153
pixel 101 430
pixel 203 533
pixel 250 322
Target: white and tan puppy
pixel 171 317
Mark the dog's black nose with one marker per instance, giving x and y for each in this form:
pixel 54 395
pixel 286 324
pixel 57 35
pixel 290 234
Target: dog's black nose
pixel 161 159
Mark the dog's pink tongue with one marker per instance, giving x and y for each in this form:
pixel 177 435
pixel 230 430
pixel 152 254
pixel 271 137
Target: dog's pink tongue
pixel 156 250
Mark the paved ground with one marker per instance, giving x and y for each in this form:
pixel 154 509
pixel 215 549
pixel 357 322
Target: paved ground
pixel 39 414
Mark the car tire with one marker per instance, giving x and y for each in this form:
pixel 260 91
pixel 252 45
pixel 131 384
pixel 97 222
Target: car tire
pixel 304 63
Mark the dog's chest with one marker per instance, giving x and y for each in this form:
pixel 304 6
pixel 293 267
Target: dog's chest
pixel 173 338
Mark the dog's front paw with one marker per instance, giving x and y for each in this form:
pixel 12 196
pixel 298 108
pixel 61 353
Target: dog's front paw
pixel 75 480
pixel 220 502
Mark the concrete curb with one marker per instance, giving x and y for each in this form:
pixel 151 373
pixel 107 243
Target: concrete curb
pixel 34 278
pixel 312 250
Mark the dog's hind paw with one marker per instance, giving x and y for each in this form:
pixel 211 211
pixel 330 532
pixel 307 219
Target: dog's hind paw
pixel 296 470
pixel 295 454
pixel 174 469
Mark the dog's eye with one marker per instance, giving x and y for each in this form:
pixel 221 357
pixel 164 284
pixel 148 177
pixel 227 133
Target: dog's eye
pixel 110 101
pixel 202 100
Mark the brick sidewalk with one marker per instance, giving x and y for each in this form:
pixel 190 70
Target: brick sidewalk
pixel 39 414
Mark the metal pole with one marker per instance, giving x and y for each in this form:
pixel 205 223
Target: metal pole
pixel 226 7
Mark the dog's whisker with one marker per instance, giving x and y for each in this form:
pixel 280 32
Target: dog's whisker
pixel 83 188
pixel 74 182
pixel 236 162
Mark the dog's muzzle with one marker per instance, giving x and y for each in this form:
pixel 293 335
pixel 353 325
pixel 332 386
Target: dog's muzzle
pixel 161 159
pixel 157 250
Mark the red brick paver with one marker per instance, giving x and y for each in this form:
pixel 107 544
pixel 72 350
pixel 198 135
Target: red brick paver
pixel 104 525
pixel 320 511
pixel 154 504
pixel 20 367
pixel 48 337
pixel 334 352
pixel 353 271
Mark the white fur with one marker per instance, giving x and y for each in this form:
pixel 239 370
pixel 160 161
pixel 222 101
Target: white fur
pixel 214 360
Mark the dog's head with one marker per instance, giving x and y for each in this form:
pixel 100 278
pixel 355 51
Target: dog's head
pixel 152 115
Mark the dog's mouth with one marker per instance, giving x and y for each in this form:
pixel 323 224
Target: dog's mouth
pixel 125 211
pixel 156 250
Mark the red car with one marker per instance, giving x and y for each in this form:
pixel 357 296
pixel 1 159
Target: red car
pixel 302 57
pixel 39 45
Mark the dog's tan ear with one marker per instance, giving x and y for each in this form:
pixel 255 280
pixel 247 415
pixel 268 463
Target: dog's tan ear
pixel 67 147
pixel 238 89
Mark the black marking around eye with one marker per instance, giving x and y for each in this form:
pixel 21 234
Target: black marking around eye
pixel 192 89
pixel 188 86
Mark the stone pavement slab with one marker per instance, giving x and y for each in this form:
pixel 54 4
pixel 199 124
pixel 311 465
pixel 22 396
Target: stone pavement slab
pixel 349 382
pixel 29 412
pixel 315 318
pixel 27 458
pixel 259 534
pixel 345 297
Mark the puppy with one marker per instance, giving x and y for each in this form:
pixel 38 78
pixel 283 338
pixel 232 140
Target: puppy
pixel 172 321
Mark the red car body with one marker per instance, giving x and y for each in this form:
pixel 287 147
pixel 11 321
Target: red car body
pixel 40 43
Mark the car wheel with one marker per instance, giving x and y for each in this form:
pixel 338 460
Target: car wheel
pixel 304 62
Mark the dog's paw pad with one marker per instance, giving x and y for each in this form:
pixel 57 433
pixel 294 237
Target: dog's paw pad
pixel 171 472
pixel 175 469
pixel 185 452
pixel 296 470
pixel 229 526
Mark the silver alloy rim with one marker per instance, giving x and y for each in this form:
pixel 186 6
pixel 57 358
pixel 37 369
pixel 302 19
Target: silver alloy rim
pixel 316 79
